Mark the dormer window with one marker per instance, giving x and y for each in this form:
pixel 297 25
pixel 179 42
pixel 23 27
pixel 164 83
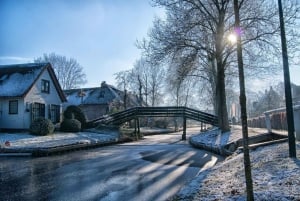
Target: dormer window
pixel 46 86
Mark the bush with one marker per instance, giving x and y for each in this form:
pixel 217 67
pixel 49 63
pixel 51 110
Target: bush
pixel 70 125
pixel 161 123
pixel 72 112
pixel 41 126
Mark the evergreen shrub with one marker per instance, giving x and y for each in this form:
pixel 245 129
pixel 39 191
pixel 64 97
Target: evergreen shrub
pixel 72 112
pixel 70 125
pixel 41 126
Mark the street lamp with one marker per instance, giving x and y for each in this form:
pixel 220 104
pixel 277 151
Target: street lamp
pixel 287 86
pixel 247 162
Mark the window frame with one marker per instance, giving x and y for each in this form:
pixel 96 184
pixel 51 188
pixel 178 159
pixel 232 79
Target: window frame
pixel 38 110
pixel 54 113
pixel 12 110
pixel 45 86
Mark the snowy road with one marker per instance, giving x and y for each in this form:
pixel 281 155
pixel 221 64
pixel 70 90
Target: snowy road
pixel 152 169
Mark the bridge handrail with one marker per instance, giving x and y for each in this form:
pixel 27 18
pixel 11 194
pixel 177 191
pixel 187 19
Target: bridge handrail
pixel 173 111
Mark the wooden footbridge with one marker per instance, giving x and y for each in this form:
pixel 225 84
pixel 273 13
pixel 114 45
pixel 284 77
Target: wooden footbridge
pixel 136 112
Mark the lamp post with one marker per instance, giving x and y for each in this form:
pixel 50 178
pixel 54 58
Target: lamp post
pixel 287 86
pixel 247 162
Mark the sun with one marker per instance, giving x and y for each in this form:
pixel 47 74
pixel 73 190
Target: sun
pixel 232 38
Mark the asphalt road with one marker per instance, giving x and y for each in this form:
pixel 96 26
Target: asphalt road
pixel 151 169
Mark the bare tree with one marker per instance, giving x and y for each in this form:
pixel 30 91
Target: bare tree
pixel 156 79
pixel 144 78
pixel 68 71
pixel 178 85
pixel 267 100
pixel 198 31
pixel 122 79
pixel 139 80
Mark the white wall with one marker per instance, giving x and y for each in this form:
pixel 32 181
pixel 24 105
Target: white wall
pixel 13 121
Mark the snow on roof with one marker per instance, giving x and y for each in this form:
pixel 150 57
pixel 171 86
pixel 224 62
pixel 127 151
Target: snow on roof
pixel 99 95
pixel 15 80
pixel 96 95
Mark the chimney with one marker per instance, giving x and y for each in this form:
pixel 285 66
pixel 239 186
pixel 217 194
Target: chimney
pixel 103 84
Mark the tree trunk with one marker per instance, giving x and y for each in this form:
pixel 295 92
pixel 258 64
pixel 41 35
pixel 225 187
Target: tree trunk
pixel 220 86
pixel 125 99
pixel 221 101
pixel 140 91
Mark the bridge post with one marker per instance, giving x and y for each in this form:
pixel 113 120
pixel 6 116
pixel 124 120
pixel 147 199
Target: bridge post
pixel 138 128
pixel 184 129
pixel 135 128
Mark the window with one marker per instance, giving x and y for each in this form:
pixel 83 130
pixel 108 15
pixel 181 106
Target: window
pixel 13 107
pixel 54 113
pixel 46 86
pixel 38 110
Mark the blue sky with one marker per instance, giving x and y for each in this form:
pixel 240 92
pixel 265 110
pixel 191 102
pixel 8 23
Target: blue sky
pixel 99 34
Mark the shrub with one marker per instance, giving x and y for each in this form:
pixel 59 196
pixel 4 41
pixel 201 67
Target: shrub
pixel 161 123
pixel 72 112
pixel 41 126
pixel 70 125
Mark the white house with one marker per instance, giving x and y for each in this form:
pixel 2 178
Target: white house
pixel 28 91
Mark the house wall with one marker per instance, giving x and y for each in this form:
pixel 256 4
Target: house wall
pixel 12 121
pixel 22 120
pixel 94 111
pixel 35 95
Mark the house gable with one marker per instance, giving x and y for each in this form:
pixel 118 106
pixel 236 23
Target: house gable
pixel 37 93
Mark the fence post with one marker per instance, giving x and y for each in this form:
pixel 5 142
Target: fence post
pixel 138 127
pixel 184 129
pixel 135 128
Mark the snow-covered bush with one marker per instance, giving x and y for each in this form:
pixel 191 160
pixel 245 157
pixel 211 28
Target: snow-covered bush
pixel 41 126
pixel 70 125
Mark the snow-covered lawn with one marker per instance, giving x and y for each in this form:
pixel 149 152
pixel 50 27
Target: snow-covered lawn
pixel 275 175
pixel 27 141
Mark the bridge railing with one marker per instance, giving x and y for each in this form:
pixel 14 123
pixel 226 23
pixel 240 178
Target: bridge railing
pixel 185 112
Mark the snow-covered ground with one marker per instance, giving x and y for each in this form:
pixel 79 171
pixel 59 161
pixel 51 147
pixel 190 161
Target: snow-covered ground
pixel 27 141
pixel 275 175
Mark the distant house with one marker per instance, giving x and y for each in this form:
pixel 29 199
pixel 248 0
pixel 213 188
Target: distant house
pixel 98 101
pixel 296 94
pixel 28 91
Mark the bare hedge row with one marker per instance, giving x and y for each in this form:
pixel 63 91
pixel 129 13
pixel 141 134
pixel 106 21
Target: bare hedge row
pixel 278 121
